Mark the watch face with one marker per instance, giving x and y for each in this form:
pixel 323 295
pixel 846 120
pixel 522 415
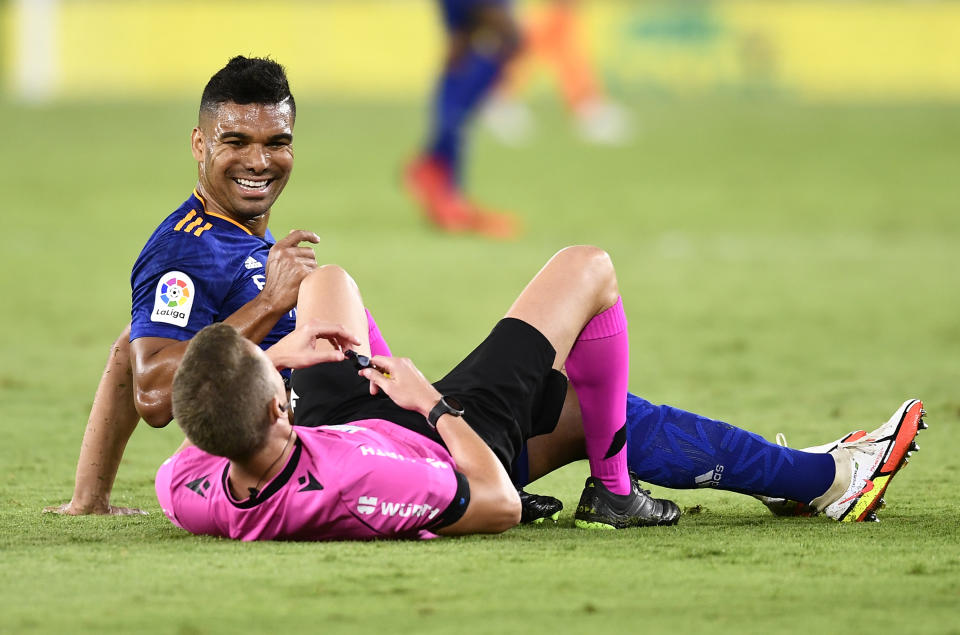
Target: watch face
pixel 454 403
pixel 360 361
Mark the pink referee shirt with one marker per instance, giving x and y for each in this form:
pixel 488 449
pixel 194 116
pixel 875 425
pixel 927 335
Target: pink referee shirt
pixel 359 481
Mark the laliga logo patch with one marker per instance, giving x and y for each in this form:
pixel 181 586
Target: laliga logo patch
pixel 174 299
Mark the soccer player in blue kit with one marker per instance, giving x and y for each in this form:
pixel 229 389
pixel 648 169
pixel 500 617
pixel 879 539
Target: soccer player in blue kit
pixel 214 260
pixel 481 37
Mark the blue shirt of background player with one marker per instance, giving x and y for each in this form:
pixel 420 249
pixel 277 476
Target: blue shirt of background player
pixel 457 14
pixel 196 269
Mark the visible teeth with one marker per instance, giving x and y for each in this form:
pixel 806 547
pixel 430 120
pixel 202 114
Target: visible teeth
pixel 253 184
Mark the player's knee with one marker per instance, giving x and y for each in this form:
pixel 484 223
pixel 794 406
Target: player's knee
pixel 494 33
pixel 511 40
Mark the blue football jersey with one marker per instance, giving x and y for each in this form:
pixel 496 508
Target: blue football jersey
pixel 196 269
pixel 458 14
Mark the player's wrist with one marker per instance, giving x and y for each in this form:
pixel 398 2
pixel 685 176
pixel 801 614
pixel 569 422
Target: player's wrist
pixel 271 305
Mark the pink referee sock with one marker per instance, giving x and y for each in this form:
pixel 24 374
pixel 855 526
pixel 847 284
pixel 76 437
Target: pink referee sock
pixel 598 367
pixel 378 345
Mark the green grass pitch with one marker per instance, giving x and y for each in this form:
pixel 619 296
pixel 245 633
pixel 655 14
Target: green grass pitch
pixel 785 267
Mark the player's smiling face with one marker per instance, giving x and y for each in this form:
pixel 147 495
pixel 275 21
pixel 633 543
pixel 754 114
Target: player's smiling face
pixel 245 155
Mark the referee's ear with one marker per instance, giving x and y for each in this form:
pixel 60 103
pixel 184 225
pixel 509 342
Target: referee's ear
pixel 278 410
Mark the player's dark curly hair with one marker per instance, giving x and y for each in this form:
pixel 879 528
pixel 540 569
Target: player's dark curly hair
pixel 248 80
pixel 222 393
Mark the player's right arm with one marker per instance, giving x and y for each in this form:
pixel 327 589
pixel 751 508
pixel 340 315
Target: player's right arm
pixel 155 359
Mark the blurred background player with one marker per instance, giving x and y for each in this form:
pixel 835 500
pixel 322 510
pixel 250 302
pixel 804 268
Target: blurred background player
pixel 482 36
pixel 552 37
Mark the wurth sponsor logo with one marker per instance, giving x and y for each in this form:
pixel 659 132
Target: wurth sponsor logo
pixel 711 478
pixel 367 505
pixel 408 510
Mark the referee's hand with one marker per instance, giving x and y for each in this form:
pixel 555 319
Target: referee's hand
pixel 299 348
pixel 402 382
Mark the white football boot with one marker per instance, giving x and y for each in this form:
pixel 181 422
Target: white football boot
pixel 866 463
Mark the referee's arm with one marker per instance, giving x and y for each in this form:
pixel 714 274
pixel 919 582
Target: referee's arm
pixel 494 504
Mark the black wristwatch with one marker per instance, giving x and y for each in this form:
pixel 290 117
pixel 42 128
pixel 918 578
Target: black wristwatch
pixel 446 406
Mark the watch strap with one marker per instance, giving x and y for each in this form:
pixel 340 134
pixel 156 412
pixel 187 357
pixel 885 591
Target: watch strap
pixel 442 408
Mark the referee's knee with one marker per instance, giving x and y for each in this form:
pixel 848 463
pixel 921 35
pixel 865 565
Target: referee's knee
pixel 326 275
pixel 592 262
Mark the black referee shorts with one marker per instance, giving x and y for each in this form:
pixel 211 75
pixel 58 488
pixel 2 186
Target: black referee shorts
pixel 507 386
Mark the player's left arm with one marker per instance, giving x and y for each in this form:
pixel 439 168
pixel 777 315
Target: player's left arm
pixel 156 359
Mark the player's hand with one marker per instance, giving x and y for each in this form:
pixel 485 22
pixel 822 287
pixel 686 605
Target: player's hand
pixel 287 265
pixel 402 382
pixel 69 509
pixel 298 349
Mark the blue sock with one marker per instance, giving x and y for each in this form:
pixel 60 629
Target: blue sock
pixel 459 91
pixel 520 470
pixel 674 448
